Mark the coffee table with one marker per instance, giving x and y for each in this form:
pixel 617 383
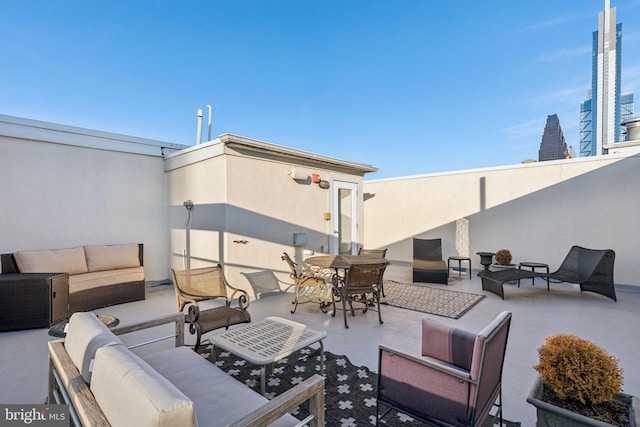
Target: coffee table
pixel 59 330
pixel 267 341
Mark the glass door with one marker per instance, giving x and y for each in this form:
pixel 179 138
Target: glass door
pixel 344 218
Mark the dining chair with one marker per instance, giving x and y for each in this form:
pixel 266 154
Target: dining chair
pixel 310 284
pixel 378 253
pixel 361 285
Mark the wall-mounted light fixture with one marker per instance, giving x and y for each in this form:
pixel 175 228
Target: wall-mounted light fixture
pixel 323 184
pixel 299 174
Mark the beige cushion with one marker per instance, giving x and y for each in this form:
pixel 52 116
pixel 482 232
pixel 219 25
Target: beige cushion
pixel 131 393
pixel 210 388
pixel 70 261
pixel 110 257
pixel 86 334
pixel 80 282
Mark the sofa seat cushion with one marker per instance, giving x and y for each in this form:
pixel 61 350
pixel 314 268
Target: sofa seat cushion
pixel 97 279
pixel 85 335
pixel 209 387
pixel 131 393
pixel 111 257
pixel 70 261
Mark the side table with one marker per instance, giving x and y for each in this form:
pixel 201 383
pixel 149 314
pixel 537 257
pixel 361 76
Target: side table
pixel 59 329
pixel 533 266
pixel 33 300
pixel 459 259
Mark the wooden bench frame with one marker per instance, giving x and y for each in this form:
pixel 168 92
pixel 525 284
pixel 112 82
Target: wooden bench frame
pixel 85 411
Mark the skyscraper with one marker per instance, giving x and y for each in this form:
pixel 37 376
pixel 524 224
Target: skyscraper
pixel 553 145
pixel 601 114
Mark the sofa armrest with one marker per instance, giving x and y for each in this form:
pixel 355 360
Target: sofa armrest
pixel 8 264
pixel 66 386
pixel 176 318
pixel 312 390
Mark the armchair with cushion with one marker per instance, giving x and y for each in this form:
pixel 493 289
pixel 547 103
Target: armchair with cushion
pixel 457 380
pixel 428 265
pixel 203 284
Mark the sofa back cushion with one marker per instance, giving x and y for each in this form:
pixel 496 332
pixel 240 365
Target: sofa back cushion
pixel 85 335
pixel 112 257
pixel 70 261
pixel 132 393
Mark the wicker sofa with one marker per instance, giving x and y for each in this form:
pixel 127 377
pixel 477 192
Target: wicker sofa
pixel 99 275
pixel 104 383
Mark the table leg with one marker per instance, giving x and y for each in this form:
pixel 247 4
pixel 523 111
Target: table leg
pixel 263 374
pixel 321 358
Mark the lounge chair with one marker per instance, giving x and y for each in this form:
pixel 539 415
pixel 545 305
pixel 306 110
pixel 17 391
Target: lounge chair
pixel 428 265
pixel 591 268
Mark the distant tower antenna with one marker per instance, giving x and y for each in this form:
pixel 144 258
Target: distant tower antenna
pixel 210 110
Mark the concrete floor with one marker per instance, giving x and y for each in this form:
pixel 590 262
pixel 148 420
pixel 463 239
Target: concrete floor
pixel 536 314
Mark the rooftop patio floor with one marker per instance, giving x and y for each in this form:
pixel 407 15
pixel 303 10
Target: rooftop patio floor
pixel 536 314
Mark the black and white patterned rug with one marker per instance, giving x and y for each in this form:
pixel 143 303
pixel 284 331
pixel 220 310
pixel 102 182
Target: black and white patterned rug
pixel 441 302
pixel 350 391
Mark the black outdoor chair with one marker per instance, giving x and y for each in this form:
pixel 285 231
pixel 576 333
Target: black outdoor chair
pixel 591 268
pixel 428 265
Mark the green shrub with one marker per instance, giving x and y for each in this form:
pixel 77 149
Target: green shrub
pixel 503 257
pixel 577 369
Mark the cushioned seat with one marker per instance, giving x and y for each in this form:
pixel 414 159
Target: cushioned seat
pixel 428 265
pixel 194 376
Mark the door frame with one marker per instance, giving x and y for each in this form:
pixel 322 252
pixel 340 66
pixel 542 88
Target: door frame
pixel 334 238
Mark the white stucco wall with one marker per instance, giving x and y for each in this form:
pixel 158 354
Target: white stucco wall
pixel 246 211
pixel 60 190
pixel 537 211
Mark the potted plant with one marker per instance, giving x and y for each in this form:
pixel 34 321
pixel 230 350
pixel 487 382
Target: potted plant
pixel 503 257
pixel 503 261
pixel 579 384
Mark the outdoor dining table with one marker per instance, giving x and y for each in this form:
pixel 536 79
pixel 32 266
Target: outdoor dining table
pixel 342 262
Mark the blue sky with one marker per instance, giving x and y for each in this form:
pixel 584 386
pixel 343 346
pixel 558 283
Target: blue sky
pixel 408 86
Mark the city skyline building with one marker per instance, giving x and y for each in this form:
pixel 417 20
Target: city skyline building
pixel 553 145
pixel 604 110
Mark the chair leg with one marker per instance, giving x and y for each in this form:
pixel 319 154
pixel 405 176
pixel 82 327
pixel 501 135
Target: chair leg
pixel 344 309
pixel 377 297
pixel 333 301
pixel 198 331
pixel 297 298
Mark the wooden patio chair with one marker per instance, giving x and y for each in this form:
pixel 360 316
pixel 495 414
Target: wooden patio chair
pixel 310 284
pixel 456 382
pixel 204 284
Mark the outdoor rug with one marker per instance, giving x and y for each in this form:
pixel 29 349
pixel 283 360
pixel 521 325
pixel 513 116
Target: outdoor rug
pixel 440 302
pixel 350 391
